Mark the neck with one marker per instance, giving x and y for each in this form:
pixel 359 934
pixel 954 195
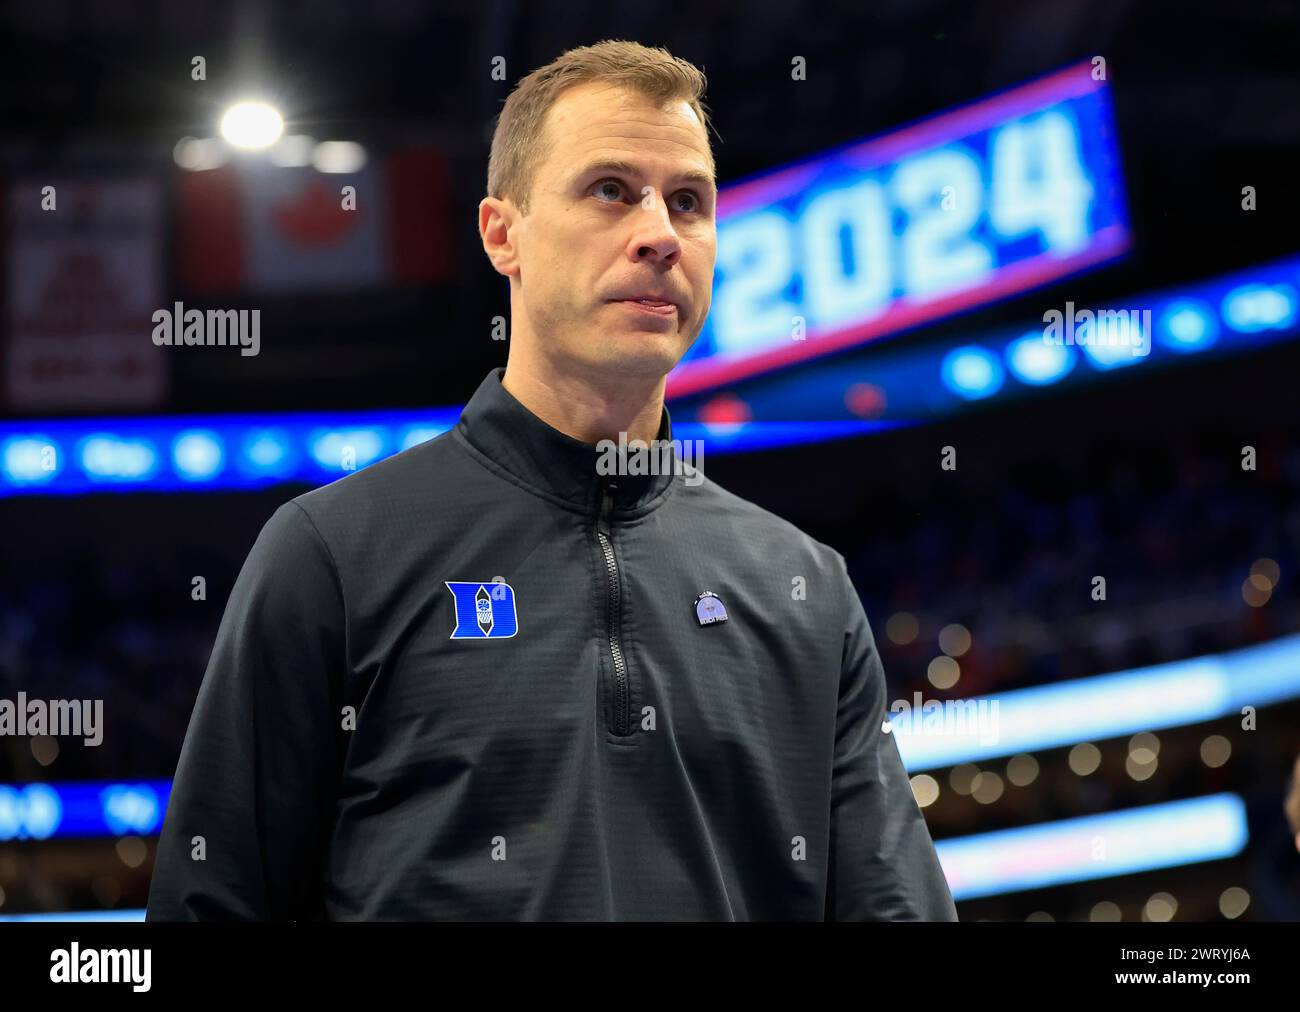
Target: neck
pixel 588 408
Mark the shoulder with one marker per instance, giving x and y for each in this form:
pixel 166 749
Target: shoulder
pixel 749 526
pixel 422 475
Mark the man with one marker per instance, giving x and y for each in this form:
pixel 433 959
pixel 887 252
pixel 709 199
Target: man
pixel 483 679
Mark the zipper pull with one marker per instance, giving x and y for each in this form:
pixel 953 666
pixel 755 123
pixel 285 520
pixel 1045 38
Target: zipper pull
pixel 606 505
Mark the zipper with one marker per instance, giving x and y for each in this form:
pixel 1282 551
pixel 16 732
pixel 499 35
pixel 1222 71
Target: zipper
pixel 613 608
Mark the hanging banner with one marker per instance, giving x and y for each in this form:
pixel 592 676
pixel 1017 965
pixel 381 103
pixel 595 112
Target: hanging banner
pixel 84 276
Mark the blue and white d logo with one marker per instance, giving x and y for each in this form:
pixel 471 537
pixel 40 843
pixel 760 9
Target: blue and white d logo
pixel 484 611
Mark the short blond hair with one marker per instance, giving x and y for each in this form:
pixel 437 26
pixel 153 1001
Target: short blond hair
pixel 519 144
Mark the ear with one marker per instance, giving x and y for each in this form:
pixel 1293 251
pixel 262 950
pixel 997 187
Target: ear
pixel 496 220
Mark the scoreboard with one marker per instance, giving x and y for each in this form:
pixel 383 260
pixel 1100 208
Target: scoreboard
pixel 956 211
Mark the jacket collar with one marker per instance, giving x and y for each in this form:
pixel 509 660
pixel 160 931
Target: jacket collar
pixel 546 460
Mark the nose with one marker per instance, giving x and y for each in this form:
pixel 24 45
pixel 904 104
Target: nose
pixel 653 237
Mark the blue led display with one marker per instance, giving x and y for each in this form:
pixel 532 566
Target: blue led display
pixel 94 808
pixel 949 213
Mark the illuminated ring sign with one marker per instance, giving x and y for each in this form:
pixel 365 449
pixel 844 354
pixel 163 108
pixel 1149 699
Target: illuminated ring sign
pixel 950 213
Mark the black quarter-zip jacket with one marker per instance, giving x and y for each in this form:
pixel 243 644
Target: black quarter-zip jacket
pixel 471 681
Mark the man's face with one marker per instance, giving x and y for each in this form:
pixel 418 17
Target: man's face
pixel 595 238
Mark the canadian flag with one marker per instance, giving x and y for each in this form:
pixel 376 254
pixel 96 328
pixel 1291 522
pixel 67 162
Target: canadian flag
pixel 255 226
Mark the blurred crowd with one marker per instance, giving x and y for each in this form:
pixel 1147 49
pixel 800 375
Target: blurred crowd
pixel 1177 540
pixel 127 632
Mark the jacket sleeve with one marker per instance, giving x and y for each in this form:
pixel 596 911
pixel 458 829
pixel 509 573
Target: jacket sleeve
pixel 253 798
pixel 883 865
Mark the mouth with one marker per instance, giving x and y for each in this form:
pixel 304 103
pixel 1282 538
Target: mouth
pixel 649 304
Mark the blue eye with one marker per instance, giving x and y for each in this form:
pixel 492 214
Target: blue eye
pixel 694 201
pixel 611 190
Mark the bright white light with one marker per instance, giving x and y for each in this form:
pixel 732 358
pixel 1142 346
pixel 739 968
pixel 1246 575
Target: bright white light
pixel 34 811
pixel 1039 362
pixel 197 455
pixel 1189 325
pixel 110 457
pixel 1137 839
pixel 251 125
pixel 130 809
pixel 972 372
pixel 1252 308
pixel 30 459
pixel 11 816
pixel 338 156
pixel 349 449
pixel 266 449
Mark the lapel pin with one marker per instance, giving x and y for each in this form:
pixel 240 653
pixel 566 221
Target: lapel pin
pixel 709 608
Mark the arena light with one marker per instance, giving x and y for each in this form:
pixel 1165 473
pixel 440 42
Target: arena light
pixel 1038 362
pixel 107 457
pixel 972 372
pixel 77 456
pixel 30 811
pixel 1188 325
pixel 1094 709
pixel 131 809
pixel 1141 839
pixel 39 811
pixel 266 452
pixel 1252 308
pixel 251 125
pixel 348 448
pixel 131 914
pixel 198 454
pixel 30 460
pixel 1112 343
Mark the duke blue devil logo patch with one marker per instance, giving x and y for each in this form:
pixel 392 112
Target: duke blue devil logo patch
pixel 484 611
